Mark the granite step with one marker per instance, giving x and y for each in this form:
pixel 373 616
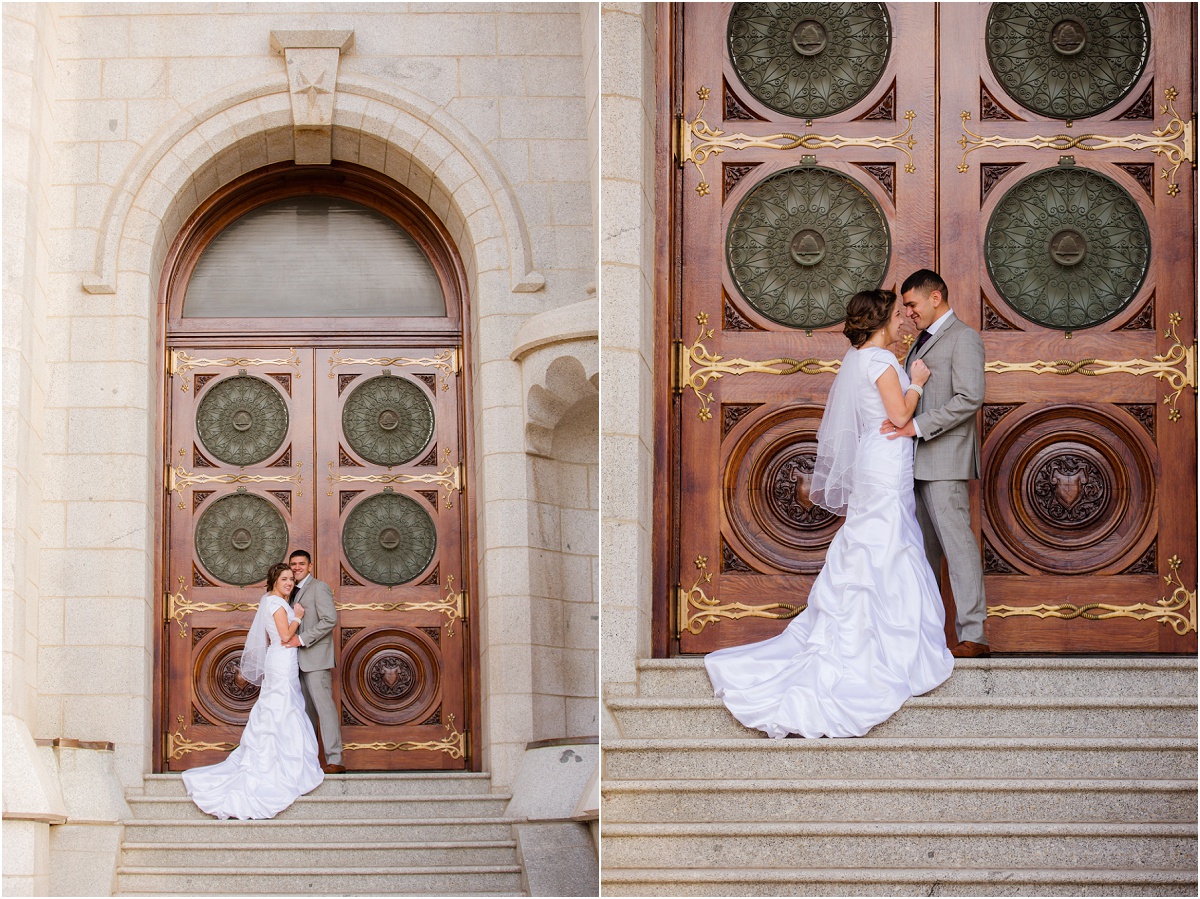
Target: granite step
pixel 445 881
pixel 1000 676
pixel 696 881
pixel 323 855
pixel 367 784
pixel 1024 846
pixel 911 800
pixel 388 808
pixel 932 716
pixel 759 758
pixel 345 830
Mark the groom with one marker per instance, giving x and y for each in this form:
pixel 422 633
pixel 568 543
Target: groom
pixel 946 455
pixel 315 639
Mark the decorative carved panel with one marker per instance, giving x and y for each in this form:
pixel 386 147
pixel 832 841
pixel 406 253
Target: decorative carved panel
pixel 803 242
pixel 1067 248
pixel 1068 60
pixel 242 420
pixel 809 60
pixel 239 537
pixel 391 675
pixel 388 420
pixel 389 539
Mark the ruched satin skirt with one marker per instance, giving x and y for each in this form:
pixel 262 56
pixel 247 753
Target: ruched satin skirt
pixel 872 635
pixel 275 763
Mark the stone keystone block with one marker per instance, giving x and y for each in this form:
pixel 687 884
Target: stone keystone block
pixel 312 59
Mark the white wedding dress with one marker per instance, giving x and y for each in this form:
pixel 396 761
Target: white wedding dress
pixel 276 761
pixel 872 635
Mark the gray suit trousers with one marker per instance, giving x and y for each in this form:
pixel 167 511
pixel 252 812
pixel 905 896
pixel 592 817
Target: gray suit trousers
pixel 947 532
pixel 318 701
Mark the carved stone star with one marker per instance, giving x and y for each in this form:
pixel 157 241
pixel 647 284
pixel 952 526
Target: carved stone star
pixel 311 87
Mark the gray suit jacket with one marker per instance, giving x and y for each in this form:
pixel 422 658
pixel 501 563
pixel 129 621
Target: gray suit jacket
pixel 949 447
pixel 316 628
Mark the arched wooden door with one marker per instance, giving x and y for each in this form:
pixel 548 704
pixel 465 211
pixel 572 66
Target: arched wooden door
pixel 1030 153
pixel 301 415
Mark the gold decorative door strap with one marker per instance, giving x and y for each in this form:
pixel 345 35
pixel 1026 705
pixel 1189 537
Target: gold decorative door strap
pixel 710 610
pixel 1177 611
pixel 1161 142
pixel 1177 366
pixel 455 745
pixel 179 479
pixel 447 361
pixel 452 605
pixel 449 479
pixel 180 363
pixel 176 606
pixel 696 141
pixel 177 745
pixel 710 367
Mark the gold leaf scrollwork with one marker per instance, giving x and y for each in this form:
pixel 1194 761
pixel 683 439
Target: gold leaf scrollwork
pixel 1177 366
pixel 179 606
pixel 1177 611
pixel 180 363
pixel 697 141
pixel 709 367
pixel 447 361
pixel 452 605
pixel 449 479
pixel 709 610
pixel 178 745
pixel 1161 142
pixel 454 745
pixel 180 479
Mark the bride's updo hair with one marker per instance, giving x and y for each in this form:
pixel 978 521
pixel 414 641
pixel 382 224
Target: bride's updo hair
pixel 866 313
pixel 273 575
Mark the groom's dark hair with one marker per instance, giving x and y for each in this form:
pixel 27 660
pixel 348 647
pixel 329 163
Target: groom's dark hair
pixel 301 552
pixel 926 281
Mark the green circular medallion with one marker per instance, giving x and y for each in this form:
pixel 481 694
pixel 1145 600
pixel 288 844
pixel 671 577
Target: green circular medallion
pixel 388 420
pixel 1068 60
pixel 1067 248
pixel 809 59
pixel 239 537
pixel 389 539
pixel 803 242
pixel 242 420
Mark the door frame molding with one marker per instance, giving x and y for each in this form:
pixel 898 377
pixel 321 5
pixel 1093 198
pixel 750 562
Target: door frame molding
pixel 390 198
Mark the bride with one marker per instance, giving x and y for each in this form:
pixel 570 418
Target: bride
pixel 872 635
pixel 277 759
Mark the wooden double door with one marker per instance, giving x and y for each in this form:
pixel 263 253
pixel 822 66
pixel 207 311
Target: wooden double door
pixel 1028 152
pixel 355 454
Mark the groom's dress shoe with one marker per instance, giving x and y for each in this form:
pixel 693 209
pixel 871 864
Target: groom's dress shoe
pixel 334 769
pixel 969 650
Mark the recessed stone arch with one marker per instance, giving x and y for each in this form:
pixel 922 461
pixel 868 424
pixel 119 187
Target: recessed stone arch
pixel 375 124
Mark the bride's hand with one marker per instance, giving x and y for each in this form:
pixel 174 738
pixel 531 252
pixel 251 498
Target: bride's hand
pixel 919 372
pixel 298 610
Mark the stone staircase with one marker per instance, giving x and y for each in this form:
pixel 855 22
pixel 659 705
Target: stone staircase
pixel 1018 776
pixel 356 834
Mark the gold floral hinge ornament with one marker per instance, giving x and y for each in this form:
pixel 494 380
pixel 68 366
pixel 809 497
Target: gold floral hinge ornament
pixel 710 367
pixel 696 141
pixel 176 606
pixel 178 745
pixel 1177 611
pixel 710 610
pixel 452 605
pixel 448 479
pixel 447 361
pixel 180 363
pixel 1177 366
pixel 1160 142
pixel 180 479
pixel 455 745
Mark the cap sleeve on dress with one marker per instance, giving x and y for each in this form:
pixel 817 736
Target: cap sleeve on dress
pixel 880 361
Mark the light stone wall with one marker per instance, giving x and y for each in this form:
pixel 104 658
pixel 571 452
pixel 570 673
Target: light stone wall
pixel 481 109
pixel 627 341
